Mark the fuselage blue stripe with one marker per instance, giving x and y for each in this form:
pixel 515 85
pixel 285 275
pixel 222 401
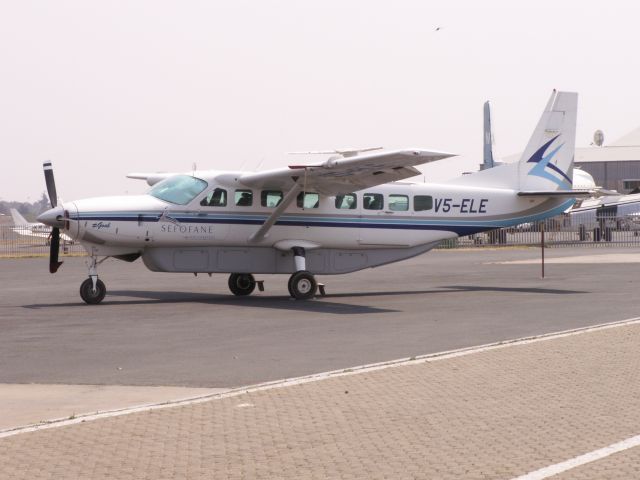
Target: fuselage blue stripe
pixel 471 225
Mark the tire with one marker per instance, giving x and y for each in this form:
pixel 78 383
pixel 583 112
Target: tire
pixel 302 285
pixel 241 283
pixel 88 295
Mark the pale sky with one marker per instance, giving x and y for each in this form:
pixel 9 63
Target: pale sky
pixel 111 87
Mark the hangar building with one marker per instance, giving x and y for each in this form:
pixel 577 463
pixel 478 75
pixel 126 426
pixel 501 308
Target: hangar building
pixel 615 166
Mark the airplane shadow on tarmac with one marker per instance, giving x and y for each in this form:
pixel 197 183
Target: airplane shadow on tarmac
pixel 320 305
pixel 274 302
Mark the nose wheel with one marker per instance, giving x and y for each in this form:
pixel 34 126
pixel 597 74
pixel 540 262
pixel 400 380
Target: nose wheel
pixel 92 290
pixel 90 294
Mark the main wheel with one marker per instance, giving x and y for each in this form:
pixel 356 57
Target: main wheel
pixel 90 296
pixel 241 283
pixel 302 285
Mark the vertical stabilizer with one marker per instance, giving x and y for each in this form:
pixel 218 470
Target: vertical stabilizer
pixel 488 139
pixel 547 162
pixel 17 218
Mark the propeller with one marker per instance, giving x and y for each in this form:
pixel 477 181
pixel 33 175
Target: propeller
pixel 51 183
pixel 54 250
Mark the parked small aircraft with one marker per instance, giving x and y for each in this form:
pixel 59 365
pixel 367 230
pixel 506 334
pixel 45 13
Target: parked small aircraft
pixel 623 211
pixel 32 229
pixel 336 216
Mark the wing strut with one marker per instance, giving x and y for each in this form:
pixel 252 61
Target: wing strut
pixel 268 223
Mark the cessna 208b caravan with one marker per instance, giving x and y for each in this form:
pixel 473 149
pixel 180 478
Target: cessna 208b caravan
pixel 341 215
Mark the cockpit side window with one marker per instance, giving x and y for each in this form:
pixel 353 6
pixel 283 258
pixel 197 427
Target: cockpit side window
pixel 215 198
pixel 243 198
pixel 308 200
pixel 270 198
pixel 179 189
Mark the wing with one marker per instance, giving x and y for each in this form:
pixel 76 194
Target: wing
pixel 346 175
pixel 151 178
pixel 558 193
pixel 27 232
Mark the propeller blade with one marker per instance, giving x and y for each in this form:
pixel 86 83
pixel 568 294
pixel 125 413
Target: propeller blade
pixel 54 264
pixel 51 184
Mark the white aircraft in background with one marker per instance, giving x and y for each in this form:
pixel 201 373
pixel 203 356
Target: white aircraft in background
pixel 32 229
pixel 337 216
pixel 612 208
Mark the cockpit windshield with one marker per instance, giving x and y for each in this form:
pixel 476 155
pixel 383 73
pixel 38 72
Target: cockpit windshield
pixel 180 189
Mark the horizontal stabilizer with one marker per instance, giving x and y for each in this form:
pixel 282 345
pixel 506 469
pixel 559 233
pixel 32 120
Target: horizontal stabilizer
pixel 603 192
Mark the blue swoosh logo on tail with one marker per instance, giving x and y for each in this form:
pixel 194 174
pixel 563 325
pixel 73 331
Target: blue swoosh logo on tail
pixel 542 161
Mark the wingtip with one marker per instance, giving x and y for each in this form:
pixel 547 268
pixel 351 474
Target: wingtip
pixel 434 153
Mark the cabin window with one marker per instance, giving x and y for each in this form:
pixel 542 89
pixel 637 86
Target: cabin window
pixel 243 198
pixel 270 198
pixel 216 198
pixel 398 203
pixel 347 202
pixel 372 201
pixel 179 189
pixel 308 200
pixel 422 202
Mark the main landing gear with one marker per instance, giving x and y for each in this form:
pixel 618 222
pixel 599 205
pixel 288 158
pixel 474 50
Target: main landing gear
pixel 302 284
pixel 241 283
pixel 93 290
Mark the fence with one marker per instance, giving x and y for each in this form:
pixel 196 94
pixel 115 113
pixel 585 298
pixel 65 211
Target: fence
pixel 20 242
pixel 560 231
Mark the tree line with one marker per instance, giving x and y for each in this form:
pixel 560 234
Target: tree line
pixel 28 210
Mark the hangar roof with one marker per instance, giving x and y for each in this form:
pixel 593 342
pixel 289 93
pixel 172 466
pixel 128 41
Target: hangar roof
pixel 624 149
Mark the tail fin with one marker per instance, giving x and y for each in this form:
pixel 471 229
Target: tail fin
pixel 17 218
pixel 547 162
pixel 488 139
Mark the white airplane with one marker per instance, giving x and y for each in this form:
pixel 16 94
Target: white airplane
pixel 611 208
pixel 337 216
pixel 32 229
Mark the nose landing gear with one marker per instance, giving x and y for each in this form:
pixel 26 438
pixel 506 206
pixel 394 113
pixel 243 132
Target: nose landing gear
pixel 93 294
pixel 93 290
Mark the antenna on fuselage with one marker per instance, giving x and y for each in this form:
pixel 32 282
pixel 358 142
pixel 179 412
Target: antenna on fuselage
pixel 194 167
pixel 259 163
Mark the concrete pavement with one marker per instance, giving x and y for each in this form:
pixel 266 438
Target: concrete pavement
pixel 494 413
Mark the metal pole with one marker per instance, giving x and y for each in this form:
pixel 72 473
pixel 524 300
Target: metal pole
pixel 542 244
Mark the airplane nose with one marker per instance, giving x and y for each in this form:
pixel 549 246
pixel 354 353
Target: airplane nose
pixel 53 217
